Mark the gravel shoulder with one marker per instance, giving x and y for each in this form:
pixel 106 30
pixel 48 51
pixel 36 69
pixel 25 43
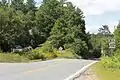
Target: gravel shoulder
pixel 90 74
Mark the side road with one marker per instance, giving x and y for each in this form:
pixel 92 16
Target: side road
pixel 59 69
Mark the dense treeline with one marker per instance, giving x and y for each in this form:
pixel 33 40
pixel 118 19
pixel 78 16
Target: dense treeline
pixel 55 23
pixel 100 41
pixel 112 61
pixel 16 18
pixel 117 36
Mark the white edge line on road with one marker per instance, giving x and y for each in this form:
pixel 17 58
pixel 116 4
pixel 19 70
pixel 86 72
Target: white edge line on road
pixel 80 71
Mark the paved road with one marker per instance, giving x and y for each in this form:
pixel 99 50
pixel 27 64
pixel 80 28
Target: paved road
pixel 47 70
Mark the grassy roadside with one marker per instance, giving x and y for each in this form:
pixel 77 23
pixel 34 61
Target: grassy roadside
pixel 105 73
pixel 34 56
pixel 12 58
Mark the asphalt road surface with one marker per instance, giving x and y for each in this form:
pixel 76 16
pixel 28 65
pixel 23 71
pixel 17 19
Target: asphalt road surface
pixel 58 69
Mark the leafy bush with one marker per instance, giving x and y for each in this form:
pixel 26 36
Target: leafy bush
pixel 80 48
pixel 112 62
pixel 35 54
pixel 10 57
pixel 47 47
pixel 96 52
pixel 50 55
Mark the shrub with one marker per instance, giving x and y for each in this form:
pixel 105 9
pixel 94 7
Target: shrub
pixel 35 54
pixel 80 48
pixel 50 55
pixel 112 62
pixel 96 52
pixel 47 47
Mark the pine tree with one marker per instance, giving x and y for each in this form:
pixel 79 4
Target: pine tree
pixel 31 6
pixel 18 4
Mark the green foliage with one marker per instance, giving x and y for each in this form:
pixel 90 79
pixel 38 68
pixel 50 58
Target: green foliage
pixel 51 55
pixel 100 43
pixel 66 54
pixel 46 17
pixel 96 43
pixel 17 4
pixel 30 6
pixel 112 62
pixel 10 57
pixel 69 31
pixel 96 52
pixel 60 54
pixel 104 30
pixel 7 28
pixel 15 24
pixel 117 36
pixel 54 24
pixel 44 54
pixel 80 48
pixel 106 74
pixel 105 45
pixel 35 54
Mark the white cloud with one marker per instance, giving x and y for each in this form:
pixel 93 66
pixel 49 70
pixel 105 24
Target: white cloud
pixel 97 7
pixel 112 26
pixel 94 28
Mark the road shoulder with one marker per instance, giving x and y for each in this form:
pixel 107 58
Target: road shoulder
pixel 89 74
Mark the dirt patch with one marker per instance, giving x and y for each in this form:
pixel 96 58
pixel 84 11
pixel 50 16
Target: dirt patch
pixel 90 74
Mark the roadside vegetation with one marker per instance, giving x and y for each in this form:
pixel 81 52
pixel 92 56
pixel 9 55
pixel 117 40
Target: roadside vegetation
pixel 55 29
pixel 111 63
pixel 106 73
pixel 12 58
pixel 109 66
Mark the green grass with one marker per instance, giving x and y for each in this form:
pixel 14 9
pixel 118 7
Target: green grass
pixel 65 54
pixel 106 73
pixel 109 67
pixel 55 54
pixel 112 62
pixel 10 57
pixel 36 55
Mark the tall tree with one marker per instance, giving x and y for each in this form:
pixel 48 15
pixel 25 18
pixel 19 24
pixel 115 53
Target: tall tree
pixel 104 30
pixel 46 17
pixel 117 36
pixel 3 3
pixel 10 27
pixel 30 6
pixel 18 4
pixel 69 31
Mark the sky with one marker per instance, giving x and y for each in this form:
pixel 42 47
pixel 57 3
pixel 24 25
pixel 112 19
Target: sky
pixel 98 13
